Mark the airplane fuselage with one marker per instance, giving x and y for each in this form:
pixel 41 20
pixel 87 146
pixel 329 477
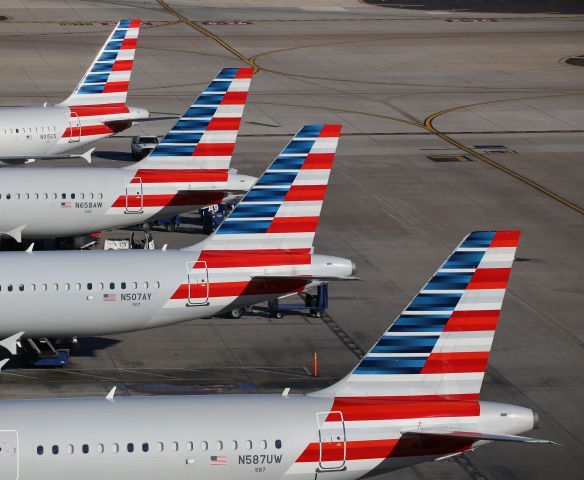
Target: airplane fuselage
pixel 58 202
pixel 82 293
pixel 31 132
pixel 231 436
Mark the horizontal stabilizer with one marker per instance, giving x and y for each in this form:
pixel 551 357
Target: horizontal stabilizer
pixel 478 436
pixel 10 343
pixel 304 277
pixel 20 159
pixel 15 233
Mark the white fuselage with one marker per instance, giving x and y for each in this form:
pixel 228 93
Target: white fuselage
pixel 96 292
pixel 35 132
pixel 66 201
pixel 224 437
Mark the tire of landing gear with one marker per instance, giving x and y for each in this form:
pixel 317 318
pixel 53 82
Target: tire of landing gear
pixel 278 315
pixel 237 313
pixel 317 314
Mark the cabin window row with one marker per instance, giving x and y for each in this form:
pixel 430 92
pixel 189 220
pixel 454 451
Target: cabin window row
pixel 89 286
pixel 49 128
pixel 51 196
pixel 159 447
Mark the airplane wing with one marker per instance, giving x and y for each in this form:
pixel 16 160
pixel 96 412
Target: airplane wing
pixel 309 278
pixel 493 437
pixel 19 160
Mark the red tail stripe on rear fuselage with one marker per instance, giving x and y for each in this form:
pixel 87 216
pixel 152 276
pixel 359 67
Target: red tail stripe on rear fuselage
pixel 171 199
pixel 238 289
pixel 152 175
pixel 99 110
pixel 363 409
pixel 259 258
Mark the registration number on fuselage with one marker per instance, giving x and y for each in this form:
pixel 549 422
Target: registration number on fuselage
pixel 135 297
pixel 259 459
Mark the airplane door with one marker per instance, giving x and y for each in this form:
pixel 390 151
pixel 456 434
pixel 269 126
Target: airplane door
pixel 134 195
pixel 9 455
pixel 198 283
pixel 333 441
pixel 74 128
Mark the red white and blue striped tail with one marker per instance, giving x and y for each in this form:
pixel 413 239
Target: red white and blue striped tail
pixel 204 137
pixel 282 209
pixel 107 80
pixel 440 344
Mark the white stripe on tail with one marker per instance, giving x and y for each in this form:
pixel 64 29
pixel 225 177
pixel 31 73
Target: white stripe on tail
pixel 281 211
pixel 440 344
pixel 107 80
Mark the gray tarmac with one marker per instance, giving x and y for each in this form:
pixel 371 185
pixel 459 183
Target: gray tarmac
pixel 383 73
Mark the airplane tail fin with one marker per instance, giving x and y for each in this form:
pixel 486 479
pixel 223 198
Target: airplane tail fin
pixel 204 137
pixel 440 344
pixel 281 211
pixel 107 80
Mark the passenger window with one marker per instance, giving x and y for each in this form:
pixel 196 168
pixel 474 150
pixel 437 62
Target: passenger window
pixel 46 196
pixel 160 447
pixel 145 447
pixel 67 286
pixel 91 195
pixel 54 196
pixel 36 196
pixel 190 446
pixel 17 130
pixel 18 196
pixel 115 448
pixel 89 286
pixel 278 444
pixel 204 446
pixel 40 450
pixel 100 195
pixel 9 288
pixel 123 285
pixel 70 449
pixel 134 285
pixel 21 287
pixel 112 285
pixel 130 447
pixel 263 444
pixel 63 196
pixel 219 445
pixel 157 284
pixel 100 448
pixel 175 446
pixel 234 445
pixel 72 196
pixel 145 284
pixel 85 448
pixel 55 449
pixel 26 196
pixel 77 286
pixel 44 287
pixel 7 196
pixel 248 444
pixel 82 195
pixel 100 285
pixel 32 287
pixel 55 286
